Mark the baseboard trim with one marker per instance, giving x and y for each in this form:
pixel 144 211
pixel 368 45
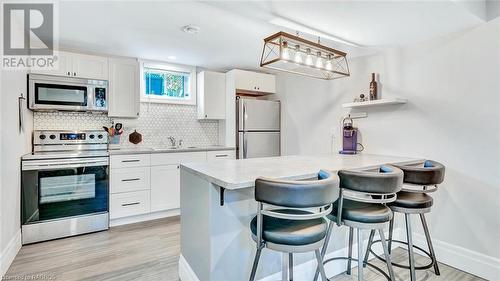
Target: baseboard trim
pixel 144 217
pixel 472 262
pixel 9 253
pixel 186 273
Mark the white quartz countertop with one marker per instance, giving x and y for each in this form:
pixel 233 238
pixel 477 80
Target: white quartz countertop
pixel 147 150
pixel 236 174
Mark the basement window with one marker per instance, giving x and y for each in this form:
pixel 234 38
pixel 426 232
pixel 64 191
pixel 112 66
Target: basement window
pixel 168 83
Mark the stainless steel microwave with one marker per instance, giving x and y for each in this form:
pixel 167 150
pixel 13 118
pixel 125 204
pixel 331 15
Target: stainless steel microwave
pixel 48 92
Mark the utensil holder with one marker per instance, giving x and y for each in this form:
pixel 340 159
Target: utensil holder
pixel 114 142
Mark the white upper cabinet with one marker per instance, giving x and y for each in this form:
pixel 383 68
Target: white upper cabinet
pixel 211 95
pixel 254 82
pixel 87 66
pixel 124 97
pixel 79 65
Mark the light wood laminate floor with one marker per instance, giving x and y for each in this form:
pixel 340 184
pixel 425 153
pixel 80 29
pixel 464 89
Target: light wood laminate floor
pixel 146 251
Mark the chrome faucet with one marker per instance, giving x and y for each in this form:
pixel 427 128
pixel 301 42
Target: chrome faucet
pixel 172 141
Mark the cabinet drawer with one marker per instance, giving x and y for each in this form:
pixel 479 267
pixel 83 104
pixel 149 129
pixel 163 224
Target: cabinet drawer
pixel 129 204
pixel 129 179
pixel 223 154
pixel 128 161
pixel 158 159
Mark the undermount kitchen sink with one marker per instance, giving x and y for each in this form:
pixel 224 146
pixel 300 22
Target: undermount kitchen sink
pixel 163 148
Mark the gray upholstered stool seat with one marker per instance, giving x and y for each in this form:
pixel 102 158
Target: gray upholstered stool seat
pixel 420 179
pixel 291 218
pixel 362 212
pixel 431 173
pixel 407 199
pixel 291 232
pixel 361 205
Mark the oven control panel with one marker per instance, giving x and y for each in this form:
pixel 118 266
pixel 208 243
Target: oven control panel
pixel 72 136
pixel 69 137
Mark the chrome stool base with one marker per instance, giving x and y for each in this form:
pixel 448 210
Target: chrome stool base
pixel 364 265
pixel 427 266
pixel 409 246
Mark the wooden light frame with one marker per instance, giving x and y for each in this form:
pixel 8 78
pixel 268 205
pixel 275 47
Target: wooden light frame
pixel 276 45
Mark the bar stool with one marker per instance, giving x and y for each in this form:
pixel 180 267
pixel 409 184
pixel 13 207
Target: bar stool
pixel 291 218
pixel 413 199
pixel 360 205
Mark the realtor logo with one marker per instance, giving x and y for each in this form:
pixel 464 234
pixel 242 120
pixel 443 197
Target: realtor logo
pixel 28 35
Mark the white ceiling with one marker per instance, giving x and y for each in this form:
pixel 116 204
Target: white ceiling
pixel 231 32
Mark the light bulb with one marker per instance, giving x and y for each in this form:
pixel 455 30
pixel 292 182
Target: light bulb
pixel 298 55
pixel 309 58
pixel 329 63
pixel 285 53
pixel 319 61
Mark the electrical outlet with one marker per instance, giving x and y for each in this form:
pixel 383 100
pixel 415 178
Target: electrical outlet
pixel 358 115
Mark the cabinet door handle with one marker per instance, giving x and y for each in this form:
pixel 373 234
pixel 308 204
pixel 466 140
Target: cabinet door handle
pixel 131 204
pixel 221 155
pixel 134 179
pixel 130 161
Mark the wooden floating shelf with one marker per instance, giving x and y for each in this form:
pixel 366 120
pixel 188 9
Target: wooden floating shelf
pixel 374 103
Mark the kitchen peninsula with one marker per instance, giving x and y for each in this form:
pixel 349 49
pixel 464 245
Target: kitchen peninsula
pixel 217 205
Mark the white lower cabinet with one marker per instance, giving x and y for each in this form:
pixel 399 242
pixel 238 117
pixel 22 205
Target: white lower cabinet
pixel 165 187
pixel 129 204
pixel 141 184
pixel 220 155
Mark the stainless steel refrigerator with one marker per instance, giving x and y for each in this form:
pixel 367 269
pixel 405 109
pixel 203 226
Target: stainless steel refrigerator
pixel 258 128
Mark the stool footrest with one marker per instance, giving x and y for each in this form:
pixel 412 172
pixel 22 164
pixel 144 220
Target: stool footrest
pixel 427 266
pixel 364 263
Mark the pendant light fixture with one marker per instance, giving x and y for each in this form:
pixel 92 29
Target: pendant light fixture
pixel 286 52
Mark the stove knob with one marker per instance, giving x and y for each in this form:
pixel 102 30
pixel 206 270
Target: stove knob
pixel 42 137
pixel 99 136
pixel 52 137
pixel 92 137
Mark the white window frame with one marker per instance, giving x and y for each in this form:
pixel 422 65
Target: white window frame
pixel 169 67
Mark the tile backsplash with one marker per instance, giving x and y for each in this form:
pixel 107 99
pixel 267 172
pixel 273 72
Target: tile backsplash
pixel 156 123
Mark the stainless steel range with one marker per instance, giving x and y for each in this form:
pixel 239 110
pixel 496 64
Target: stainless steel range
pixel 64 185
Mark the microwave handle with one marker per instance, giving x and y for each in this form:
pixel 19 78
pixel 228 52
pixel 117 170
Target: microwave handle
pixel 90 97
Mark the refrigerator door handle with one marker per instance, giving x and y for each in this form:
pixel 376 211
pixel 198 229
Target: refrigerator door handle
pixel 244 115
pixel 244 146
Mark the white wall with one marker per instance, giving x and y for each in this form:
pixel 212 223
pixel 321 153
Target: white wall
pixel 13 145
pixel 453 116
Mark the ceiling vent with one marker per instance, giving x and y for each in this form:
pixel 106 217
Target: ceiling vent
pixel 191 29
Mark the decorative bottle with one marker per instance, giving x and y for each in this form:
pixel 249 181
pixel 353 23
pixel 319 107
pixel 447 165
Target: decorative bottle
pixel 373 88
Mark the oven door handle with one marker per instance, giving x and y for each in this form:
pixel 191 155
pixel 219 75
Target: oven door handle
pixel 50 166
